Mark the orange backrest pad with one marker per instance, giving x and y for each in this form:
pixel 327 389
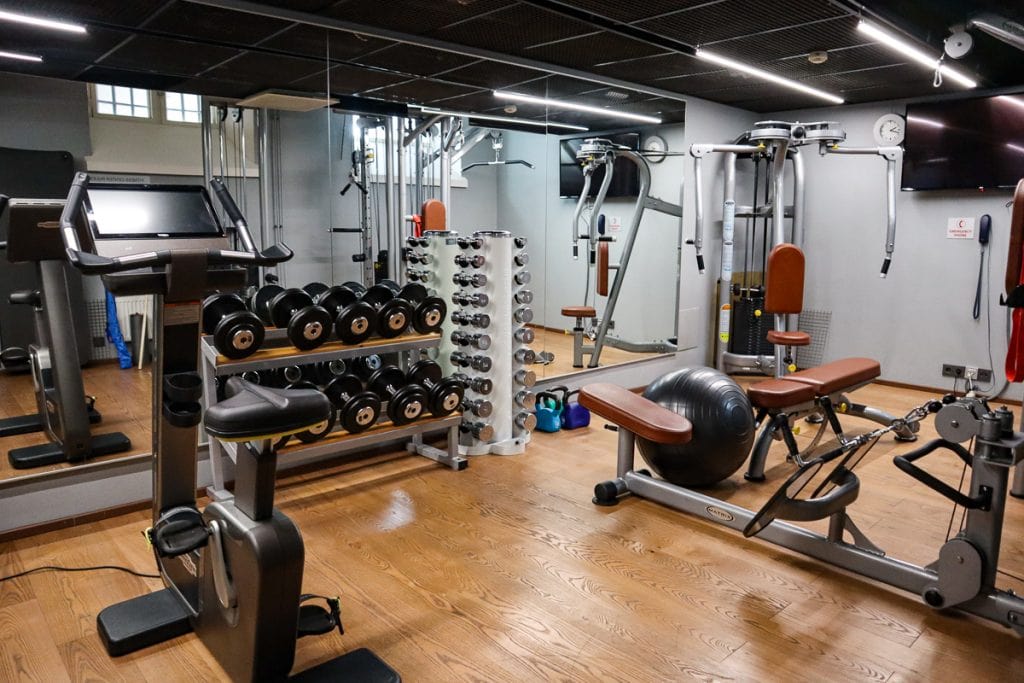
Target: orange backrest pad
pixel 1014 256
pixel 602 268
pixel 784 281
pixel 434 215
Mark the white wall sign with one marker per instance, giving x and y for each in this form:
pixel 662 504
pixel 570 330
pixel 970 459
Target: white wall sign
pixel 613 223
pixel 960 228
pixel 120 178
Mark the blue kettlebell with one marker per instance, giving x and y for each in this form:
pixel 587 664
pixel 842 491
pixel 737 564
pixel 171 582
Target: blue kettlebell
pixel 574 416
pixel 549 411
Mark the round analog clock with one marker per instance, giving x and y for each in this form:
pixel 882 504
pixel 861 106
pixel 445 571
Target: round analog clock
pixel 655 146
pixel 890 129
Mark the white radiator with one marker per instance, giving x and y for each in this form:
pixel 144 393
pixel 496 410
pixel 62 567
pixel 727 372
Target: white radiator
pixel 126 305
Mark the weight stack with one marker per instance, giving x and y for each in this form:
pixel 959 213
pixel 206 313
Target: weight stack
pixel 750 331
pixel 509 423
pixel 431 261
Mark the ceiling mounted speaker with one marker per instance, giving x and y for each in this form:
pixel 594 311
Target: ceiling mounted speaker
pixel 817 57
pixel 958 44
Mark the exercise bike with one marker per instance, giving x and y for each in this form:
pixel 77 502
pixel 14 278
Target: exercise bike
pixel 64 410
pixel 233 572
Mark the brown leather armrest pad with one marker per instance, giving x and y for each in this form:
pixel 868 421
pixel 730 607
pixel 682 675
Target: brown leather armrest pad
pixel 635 413
pixel 602 268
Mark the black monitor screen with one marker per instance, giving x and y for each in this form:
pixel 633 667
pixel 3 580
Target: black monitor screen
pixel 959 144
pixel 151 211
pixel 625 179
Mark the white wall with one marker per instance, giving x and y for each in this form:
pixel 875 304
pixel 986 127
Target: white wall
pixel 920 316
pixel 44 114
pixel 528 204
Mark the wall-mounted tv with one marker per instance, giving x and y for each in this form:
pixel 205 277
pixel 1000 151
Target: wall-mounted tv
pixel 625 178
pixel 964 144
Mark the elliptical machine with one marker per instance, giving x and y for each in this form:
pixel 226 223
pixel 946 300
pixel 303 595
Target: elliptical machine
pixel 233 572
pixel 64 410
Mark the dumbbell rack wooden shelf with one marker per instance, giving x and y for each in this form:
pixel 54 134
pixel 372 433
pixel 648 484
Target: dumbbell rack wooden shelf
pixel 277 354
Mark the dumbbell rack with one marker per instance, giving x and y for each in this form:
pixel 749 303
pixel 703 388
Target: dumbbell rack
pixel 277 354
pixel 509 422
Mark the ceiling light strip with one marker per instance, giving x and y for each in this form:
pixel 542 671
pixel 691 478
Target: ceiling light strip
pixel 40 22
pixel 20 57
pixel 907 50
pixel 503 119
pixel 716 58
pixel 563 104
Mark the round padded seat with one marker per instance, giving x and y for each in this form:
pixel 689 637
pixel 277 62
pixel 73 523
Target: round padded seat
pixel 579 311
pixel 788 338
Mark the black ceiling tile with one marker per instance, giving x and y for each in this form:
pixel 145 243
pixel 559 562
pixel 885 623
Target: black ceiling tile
pixel 313 41
pixel 309 6
pixel 556 86
pixel 650 69
pixel 133 78
pixel 108 11
pixel 481 102
pixel 514 29
pixel 423 91
pixel 50 69
pixel 346 80
pixel 213 23
pixel 718 20
pixel 857 58
pixel 415 60
pixel 64 46
pixel 587 51
pixel 410 16
pixel 167 55
pixel 494 75
pixel 634 10
pixel 829 34
pixel 265 69
pixel 219 88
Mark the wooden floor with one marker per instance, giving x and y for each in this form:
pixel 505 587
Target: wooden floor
pixel 560 344
pixel 123 398
pixel 507 572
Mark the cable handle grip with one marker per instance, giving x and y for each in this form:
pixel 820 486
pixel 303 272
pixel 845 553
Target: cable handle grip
pixel 885 266
pixel 905 464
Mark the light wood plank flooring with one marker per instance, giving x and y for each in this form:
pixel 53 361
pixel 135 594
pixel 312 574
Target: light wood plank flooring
pixel 507 572
pixel 560 344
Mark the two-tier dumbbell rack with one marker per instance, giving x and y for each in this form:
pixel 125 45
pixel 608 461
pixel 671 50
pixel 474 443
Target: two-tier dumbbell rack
pixel 276 353
pixel 483 277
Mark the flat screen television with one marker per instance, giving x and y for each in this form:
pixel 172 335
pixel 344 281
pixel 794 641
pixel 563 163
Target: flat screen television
pixel 964 144
pixel 625 178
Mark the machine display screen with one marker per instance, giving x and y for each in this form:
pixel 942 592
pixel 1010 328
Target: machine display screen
pixel 127 212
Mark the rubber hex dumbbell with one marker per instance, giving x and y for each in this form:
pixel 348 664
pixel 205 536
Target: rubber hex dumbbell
pixel 479 341
pixel 357 409
pixel 260 302
pixel 308 325
pixel 394 315
pixel 480 385
pixel 354 320
pixel 479 363
pixel 237 332
pixel 406 402
pixel 428 312
pixel 444 394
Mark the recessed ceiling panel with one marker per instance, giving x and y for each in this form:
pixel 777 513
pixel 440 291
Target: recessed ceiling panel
pixel 732 18
pixel 166 55
pixel 414 60
pixel 514 29
pixel 587 51
pixel 423 91
pixel 345 80
pixel 121 13
pixel 212 23
pixel 411 16
pixel 313 41
pixel 493 75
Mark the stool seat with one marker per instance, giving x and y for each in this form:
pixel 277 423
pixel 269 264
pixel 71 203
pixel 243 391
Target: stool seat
pixel 779 393
pixel 579 311
pixel 254 413
pixel 788 338
pixel 838 375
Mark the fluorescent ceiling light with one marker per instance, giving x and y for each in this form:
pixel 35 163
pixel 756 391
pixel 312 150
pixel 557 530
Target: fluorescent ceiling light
pixel 40 22
pixel 926 122
pixel 1015 148
pixel 767 76
pixel 502 119
pixel 1012 100
pixel 562 104
pixel 908 50
pixel 19 56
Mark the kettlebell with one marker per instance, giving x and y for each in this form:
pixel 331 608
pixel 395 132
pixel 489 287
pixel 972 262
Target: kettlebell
pixel 574 415
pixel 548 411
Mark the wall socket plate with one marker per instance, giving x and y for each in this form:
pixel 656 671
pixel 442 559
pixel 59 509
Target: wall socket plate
pixel 951 370
pixel 971 372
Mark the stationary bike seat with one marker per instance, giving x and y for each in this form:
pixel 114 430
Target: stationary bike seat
pixel 253 413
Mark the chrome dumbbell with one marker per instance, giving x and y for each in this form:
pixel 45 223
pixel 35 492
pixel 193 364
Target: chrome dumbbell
pixel 526 421
pixel 523 277
pixel 417 242
pixel 479 407
pixel 474 261
pixel 524 296
pixel 524 335
pixel 520 242
pixel 480 385
pixel 523 314
pixel 521 259
pixel 471 299
pixel 479 430
pixel 470 280
pixel 526 399
pixel 479 341
pixel 481 320
pixel 470 243
pixel 478 363
pixel 525 356
pixel 526 378
pixel 420 258
pixel 418 274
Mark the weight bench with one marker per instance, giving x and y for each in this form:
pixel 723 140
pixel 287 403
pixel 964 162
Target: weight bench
pixel 807 393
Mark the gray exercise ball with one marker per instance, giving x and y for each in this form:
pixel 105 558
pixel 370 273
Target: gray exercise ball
pixel 723 427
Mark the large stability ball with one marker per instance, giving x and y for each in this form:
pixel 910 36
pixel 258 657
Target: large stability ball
pixel 723 427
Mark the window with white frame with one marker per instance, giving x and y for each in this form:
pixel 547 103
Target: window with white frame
pixel 116 100
pixel 181 107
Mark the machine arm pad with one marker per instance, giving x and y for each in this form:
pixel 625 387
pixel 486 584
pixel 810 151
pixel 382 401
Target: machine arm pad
pixel 635 413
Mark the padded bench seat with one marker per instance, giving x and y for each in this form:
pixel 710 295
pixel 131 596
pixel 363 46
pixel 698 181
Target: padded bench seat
pixel 837 375
pixel 779 393
pixel 635 413
pixel 579 311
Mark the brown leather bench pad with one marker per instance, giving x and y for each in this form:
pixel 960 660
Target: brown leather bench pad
pixel 779 393
pixel 579 311
pixel 837 375
pixel 635 413
pixel 788 338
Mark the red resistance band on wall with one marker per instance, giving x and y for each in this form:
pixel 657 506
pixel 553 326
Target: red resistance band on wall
pixel 1014 285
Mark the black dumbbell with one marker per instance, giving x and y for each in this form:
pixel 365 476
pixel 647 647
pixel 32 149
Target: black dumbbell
pixel 479 363
pixel 428 312
pixel 524 296
pixel 474 261
pixel 308 325
pixel 394 315
pixel 365 365
pixel 524 335
pixel 357 287
pixel 478 341
pixel 479 407
pixel 479 430
pixel 358 410
pixel 237 332
pixel 480 385
pixel 315 289
pixel 471 299
pixel 481 320
pixel 324 373
pixel 260 302
pixel 317 431
pixel 354 320
pixel 469 280
pixel 444 394
pixel 406 402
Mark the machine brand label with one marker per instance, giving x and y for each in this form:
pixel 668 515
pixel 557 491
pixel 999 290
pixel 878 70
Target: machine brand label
pixel 719 513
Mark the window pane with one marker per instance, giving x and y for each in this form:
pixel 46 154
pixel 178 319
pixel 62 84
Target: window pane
pixel 122 95
pixel 104 92
pixel 173 100
pixel 174 115
pixel 104 108
pixel 124 110
pixel 140 96
pixel 142 112
pixel 192 116
pixel 191 102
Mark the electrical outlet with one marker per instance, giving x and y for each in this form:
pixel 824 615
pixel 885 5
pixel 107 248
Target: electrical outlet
pixel 971 372
pixel 984 375
pixel 950 370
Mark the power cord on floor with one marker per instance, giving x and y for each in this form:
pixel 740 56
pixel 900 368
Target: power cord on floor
pixel 54 568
